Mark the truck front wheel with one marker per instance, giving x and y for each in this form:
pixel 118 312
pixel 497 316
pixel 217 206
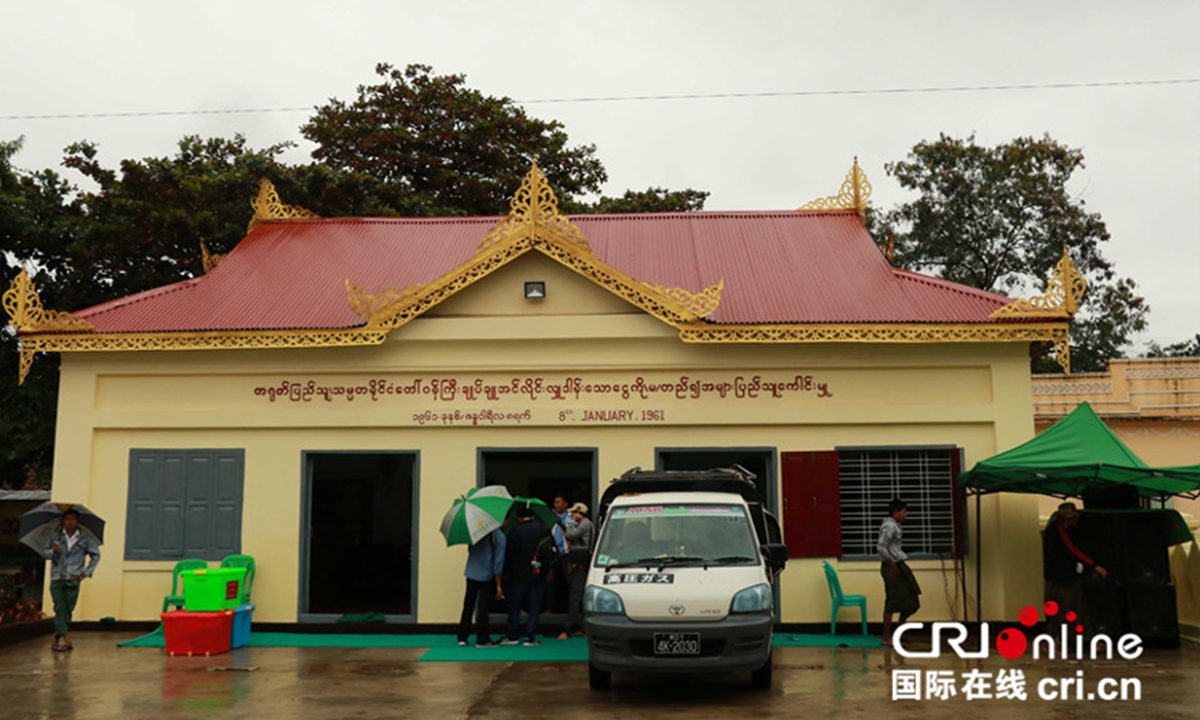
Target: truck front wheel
pixel 760 679
pixel 599 679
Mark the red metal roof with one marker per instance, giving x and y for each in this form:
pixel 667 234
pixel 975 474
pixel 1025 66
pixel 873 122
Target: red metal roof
pixel 778 267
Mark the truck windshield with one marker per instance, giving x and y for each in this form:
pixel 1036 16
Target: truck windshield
pixel 710 534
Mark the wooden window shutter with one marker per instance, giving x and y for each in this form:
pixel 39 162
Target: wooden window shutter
pixel 960 504
pixel 812 508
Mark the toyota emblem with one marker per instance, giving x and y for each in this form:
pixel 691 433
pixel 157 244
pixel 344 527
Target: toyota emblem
pixel 677 609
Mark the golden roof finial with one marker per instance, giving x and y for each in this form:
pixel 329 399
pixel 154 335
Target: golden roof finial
pixel 852 195
pixel 533 204
pixel 268 206
pixel 1062 298
pixel 208 258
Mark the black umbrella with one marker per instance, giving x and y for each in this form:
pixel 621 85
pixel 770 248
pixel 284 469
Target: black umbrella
pixel 40 523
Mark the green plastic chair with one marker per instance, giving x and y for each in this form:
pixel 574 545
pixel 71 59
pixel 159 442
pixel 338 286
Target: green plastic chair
pixel 176 596
pixel 840 600
pixel 242 561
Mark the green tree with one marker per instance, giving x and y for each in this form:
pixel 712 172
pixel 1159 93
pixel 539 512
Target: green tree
pixel 1183 348
pixel 143 226
pixel 653 199
pixel 34 207
pixel 997 218
pixel 451 150
pixel 456 150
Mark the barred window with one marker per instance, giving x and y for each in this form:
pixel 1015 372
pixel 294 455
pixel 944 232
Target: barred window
pixel 922 477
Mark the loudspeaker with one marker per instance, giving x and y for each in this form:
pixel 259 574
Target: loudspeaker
pixel 1104 609
pixel 1099 536
pixel 1151 611
pixel 1146 558
pixel 1111 497
pixel 1132 547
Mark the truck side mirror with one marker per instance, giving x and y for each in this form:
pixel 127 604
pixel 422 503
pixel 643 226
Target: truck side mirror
pixel 579 555
pixel 776 554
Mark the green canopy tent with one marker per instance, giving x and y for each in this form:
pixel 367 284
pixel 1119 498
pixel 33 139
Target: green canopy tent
pixel 1075 454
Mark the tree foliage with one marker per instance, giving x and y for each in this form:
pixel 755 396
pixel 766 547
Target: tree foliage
pixel 30 207
pixel 997 218
pixel 653 199
pixel 1183 348
pixel 453 149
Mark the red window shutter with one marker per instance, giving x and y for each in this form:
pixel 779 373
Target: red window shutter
pixel 812 506
pixel 960 504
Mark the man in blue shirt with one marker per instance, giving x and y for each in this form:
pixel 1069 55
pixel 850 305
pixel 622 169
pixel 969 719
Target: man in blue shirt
pixel 485 565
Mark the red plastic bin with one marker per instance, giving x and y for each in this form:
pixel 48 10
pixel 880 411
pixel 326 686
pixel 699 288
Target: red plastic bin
pixel 197 633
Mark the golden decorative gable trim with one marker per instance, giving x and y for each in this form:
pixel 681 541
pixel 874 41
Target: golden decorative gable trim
pixel 703 303
pixel 216 340
pixel 533 223
pixel 369 305
pixel 852 195
pixel 534 204
pixel 1062 297
pixel 268 206
pixel 1057 333
pixel 26 314
pixel 209 259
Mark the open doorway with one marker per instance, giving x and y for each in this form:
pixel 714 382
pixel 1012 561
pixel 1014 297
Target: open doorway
pixel 542 474
pixel 358 551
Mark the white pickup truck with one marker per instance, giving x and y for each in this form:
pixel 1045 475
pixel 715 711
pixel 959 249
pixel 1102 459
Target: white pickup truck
pixel 681 578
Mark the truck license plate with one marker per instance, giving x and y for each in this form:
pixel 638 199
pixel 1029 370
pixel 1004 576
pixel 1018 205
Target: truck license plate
pixel 676 643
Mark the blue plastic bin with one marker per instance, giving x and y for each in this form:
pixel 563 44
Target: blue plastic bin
pixel 241 626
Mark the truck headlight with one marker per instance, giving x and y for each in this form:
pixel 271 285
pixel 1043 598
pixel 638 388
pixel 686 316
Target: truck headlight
pixel 753 599
pixel 602 601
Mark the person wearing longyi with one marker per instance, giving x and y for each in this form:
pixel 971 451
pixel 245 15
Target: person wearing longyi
pixel 903 592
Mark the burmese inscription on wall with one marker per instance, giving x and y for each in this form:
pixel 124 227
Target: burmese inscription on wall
pixel 548 398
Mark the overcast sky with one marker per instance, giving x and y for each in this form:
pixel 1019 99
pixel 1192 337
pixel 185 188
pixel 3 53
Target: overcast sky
pixel 1141 142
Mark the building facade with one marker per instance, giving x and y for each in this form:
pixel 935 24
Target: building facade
pixel 275 408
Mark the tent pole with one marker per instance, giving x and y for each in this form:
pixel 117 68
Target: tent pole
pixel 978 560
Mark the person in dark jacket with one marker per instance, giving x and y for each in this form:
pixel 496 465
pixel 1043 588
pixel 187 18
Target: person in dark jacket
pixel 67 550
pixel 1063 564
pixel 526 580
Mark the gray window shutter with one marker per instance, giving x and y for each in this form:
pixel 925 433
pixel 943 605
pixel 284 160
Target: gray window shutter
pixel 141 524
pixel 228 479
pixel 172 473
pixel 184 503
pixel 200 493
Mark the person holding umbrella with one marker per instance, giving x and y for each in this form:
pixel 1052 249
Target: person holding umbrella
pixel 67 550
pixel 475 519
pixel 485 564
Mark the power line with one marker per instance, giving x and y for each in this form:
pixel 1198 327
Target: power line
pixel 639 98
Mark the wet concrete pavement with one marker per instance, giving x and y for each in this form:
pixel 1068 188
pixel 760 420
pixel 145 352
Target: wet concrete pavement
pixel 98 680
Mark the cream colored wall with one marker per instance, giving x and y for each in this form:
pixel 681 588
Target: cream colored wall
pixel 973 395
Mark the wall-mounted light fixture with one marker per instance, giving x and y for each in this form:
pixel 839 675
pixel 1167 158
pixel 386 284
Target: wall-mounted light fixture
pixel 535 290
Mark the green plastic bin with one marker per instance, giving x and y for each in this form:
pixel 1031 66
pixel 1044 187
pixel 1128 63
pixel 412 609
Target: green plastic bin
pixel 212 590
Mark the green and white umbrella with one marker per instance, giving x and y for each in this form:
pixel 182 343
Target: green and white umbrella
pixel 476 514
